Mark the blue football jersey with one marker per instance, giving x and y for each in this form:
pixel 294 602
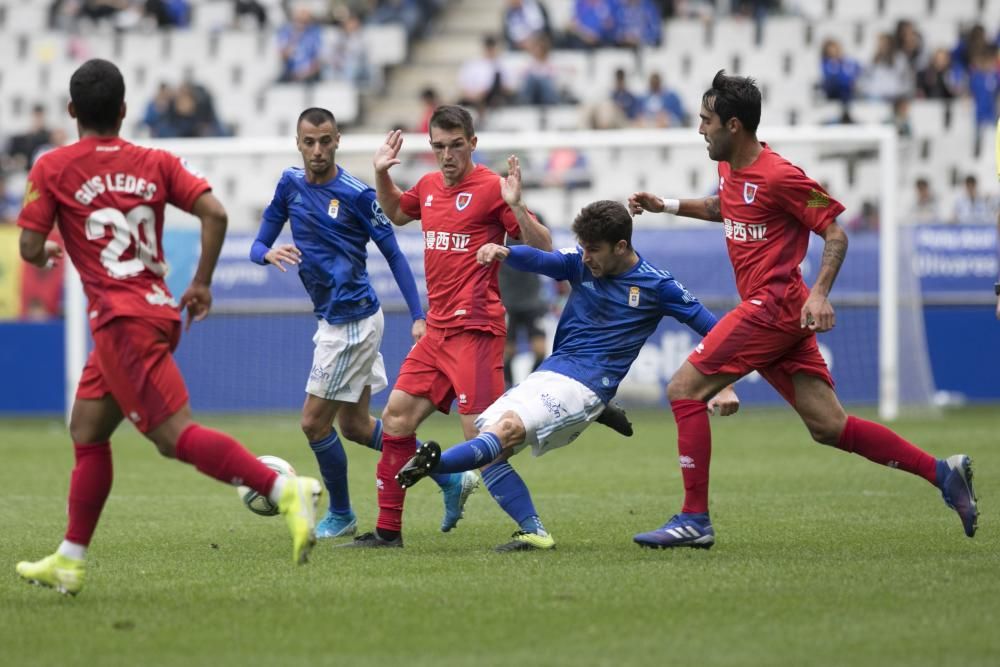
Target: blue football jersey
pixel 331 225
pixel 607 320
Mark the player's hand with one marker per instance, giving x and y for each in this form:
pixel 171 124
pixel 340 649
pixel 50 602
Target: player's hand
pixel 285 252
pixel 418 330
pixel 817 314
pixel 197 299
pixel 53 254
pixel 510 187
pixel 386 156
pixel 645 201
pixel 725 403
pixel 492 252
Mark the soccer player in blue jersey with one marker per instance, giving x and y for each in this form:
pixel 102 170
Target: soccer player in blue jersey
pixel 333 215
pixel 616 303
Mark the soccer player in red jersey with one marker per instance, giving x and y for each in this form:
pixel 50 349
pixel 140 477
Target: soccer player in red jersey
pixel 107 197
pixel 460 207
pixel 768 208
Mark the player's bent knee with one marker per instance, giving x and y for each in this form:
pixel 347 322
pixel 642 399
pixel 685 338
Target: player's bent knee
pixel 314 429
pixel 825 433
pixel 509 429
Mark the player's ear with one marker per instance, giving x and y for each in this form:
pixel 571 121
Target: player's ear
pixel 71 109
pixel 473 140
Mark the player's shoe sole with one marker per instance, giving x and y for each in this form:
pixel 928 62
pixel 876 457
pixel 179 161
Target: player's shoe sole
pixel 298 503
pixel 525 541
pixel 455 498
pixel 372 540
pixel 615 418
pixel 423 462
pixel 958 492
pixel 64 574
pixel 693 531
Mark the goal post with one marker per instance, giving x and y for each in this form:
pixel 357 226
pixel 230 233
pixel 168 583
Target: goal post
pixel 671 161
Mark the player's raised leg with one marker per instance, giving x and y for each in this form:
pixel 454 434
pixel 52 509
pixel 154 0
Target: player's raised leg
pixel 92 423
pixel 828 423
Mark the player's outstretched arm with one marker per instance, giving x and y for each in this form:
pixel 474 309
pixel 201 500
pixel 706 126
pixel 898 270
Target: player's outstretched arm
pixel 706 208
pixel 533 233
pixel 197 299
pixel 387 157
pixel 36 250
pixel 817 312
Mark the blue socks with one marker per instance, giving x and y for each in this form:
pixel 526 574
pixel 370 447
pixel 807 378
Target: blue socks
pixel 332 462
pixel 471 454
pixel 376 441
pixel 512 494
pixel 442 479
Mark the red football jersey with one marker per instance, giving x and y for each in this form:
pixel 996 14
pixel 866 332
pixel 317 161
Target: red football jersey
pixel 768 211
pixel 456 222
pixel 108 196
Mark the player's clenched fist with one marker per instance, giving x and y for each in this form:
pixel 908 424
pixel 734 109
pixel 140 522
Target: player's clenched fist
pixel 644 201
pixel 492 252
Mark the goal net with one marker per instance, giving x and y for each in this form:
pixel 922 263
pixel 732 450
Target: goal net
pixel 254 352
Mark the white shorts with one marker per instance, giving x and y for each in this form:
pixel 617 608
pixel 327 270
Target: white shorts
pixel 554 408
pixel 347 359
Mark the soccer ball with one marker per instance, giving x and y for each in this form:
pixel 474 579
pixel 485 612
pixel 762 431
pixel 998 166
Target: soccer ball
pixel 257 503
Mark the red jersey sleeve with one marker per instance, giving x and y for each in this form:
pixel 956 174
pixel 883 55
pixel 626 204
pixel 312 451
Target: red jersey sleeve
pixel 38 209
pixel 185 184
pixel 804 199
pixel 409 202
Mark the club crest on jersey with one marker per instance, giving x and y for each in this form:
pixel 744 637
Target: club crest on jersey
pixel 462 200
pixel 633 296
pixel 334 208
pixel 749 192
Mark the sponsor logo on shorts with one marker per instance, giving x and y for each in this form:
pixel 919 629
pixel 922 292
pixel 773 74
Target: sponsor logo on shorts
pixel 317 373
pixel 553 405
pixel 686 461
pixel 379 484
pixel 700 348
pixel 462 399
pixel 573 437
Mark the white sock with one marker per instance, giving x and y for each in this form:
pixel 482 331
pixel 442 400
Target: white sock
pixel 276 490
pixel 72 550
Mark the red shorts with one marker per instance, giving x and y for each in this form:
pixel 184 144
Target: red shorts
pixel 132 361
pixel 738 345
pixel 445 365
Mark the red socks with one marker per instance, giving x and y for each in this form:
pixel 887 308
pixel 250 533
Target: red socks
pixel 694 447
pixel 89 487
pixel 396 451
pixel 877 443
pixel 217 455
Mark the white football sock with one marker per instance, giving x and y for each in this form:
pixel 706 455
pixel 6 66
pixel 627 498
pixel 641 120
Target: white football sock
pixel 72 550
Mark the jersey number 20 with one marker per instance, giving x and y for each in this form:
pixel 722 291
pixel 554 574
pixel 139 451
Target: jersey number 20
pixel 135 229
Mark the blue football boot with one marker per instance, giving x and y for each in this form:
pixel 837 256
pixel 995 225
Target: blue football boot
pixel 683 530
pixel 954 478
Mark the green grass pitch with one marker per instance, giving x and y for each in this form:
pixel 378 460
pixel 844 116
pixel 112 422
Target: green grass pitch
pixel 822 559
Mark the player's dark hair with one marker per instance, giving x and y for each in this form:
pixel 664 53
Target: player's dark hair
pixel 316 116
pixel 97 90
pixel 603 220
pixel 453 117
pixel 734 97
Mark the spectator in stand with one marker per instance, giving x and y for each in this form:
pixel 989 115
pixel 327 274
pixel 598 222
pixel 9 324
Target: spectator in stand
pixel 485 82
pixel 429 101
pixel 156 119
pixel 840 73
pixel 192 113
pixel 938 81
pixel 984 82
pixel 251 10
pixel 661 106
pixel 408 13
pixel 867 220
pixel 22 147
pixel 623 97
pixel 168 13
pixel 637 23
pixel 969 44
pixel 524 20
pixel 925 210
pixel 910 44
pixel 10 202
pixel 900 118
pixel 349 54
pixel 539 85
pixel 889 76
pixel 972 208
pixel 592 26
pixel 300 42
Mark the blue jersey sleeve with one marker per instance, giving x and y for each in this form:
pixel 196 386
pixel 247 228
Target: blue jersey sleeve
pixel 557 265
pixel 380 230
pixel 684 307
pixel 271 223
